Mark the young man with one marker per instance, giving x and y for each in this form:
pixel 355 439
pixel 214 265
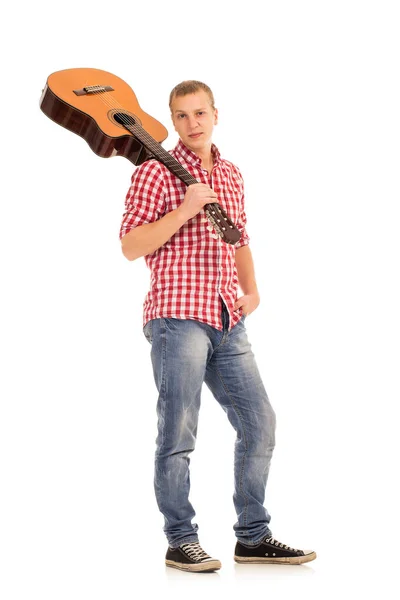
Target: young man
pixel 194 322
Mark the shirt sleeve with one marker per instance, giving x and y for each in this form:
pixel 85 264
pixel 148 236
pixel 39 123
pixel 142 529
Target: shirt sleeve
pixel 145 200
pixel 241 225
pixel 242 220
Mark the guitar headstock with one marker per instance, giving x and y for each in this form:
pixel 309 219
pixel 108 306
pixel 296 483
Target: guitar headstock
pixel 222 224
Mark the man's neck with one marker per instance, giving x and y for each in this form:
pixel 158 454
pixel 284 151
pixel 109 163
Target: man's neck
pixel 207 160
pixel 208 164
pixel 205 155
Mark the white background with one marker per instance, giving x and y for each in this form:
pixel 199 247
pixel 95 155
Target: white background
pixel 308 97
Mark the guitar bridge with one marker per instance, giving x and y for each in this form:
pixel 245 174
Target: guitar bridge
pixel 93 89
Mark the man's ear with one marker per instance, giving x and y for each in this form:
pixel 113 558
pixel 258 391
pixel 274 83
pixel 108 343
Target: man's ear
pixel 216 116
pixel 172 119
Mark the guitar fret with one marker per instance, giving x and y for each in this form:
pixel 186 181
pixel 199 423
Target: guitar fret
pixel 162 155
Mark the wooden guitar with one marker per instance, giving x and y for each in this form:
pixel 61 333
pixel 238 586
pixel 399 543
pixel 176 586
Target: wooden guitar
pixel 103 109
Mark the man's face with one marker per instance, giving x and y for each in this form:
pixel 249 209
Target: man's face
pixel 194 119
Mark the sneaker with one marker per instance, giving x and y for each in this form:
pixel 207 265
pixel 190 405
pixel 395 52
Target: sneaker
pixel 191 557
pixel 270 550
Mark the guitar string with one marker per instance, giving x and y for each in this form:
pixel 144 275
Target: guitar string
pixel 114 104
pixel 126 119
pixel 149 141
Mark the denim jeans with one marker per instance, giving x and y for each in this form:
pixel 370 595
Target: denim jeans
pixel 184 354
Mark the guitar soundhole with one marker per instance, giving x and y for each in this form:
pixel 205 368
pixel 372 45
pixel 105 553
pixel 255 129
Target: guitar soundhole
pixel 123 118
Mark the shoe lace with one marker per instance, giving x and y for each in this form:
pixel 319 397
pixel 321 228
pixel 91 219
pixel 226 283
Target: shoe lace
pixel 195 551
pixel 274 542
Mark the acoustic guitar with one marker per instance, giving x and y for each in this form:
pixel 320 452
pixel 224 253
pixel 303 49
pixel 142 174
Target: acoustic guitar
pixel 103 109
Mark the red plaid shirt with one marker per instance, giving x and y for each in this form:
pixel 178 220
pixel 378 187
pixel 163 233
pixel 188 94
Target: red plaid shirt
pixel 194 271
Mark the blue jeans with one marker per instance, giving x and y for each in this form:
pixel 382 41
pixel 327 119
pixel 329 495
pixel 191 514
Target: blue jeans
pixel 184 354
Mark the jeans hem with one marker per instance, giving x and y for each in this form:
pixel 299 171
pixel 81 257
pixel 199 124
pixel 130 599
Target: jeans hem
pixel 188 540
pixel 251 543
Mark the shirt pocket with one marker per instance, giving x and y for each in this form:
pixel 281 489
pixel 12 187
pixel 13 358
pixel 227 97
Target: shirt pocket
pixel 230 195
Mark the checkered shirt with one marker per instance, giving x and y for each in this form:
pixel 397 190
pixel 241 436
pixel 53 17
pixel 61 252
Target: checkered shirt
pixel 194 271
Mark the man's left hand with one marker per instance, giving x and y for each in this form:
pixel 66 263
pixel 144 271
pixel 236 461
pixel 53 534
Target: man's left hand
pixel 248 303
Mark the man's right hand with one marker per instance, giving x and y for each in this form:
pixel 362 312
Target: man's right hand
pixel 197 195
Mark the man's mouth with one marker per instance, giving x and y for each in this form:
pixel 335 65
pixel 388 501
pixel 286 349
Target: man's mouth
pixel 195 135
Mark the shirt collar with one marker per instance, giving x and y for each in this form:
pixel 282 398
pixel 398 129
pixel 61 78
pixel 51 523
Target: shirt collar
pixel 191 158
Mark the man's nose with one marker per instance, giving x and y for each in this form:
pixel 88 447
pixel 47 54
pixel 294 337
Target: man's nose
pixel 192 122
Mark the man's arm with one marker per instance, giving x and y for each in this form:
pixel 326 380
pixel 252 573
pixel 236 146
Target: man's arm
pixel 147 238
pixel 247 280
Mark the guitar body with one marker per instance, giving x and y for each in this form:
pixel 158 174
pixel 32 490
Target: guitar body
pixel 103 109
pixel 90 115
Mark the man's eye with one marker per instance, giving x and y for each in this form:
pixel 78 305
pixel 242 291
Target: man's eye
pixel 181 116
pixel 201 112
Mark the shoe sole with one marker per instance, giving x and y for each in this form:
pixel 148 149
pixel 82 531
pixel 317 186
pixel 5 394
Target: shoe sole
pixel 195 568
pixel 288 560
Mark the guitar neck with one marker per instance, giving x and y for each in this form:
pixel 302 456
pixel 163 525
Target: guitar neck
pixel 80 99
pixel 160 154
pixel 214 212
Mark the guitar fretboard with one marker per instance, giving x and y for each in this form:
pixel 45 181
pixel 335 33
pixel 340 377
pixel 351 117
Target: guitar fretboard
pixel 160 154
pixel 215 213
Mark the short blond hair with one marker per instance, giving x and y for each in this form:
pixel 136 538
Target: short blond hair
pixel 190 86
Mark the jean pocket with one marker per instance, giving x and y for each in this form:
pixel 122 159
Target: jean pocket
pixel 147 330
pixel 170 323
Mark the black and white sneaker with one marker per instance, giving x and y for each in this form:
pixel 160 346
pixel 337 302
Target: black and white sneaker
pixel 191 557
pixel 270 550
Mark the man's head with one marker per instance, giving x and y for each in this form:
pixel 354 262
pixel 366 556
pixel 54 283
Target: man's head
pixel 191 86
pixel 193 114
